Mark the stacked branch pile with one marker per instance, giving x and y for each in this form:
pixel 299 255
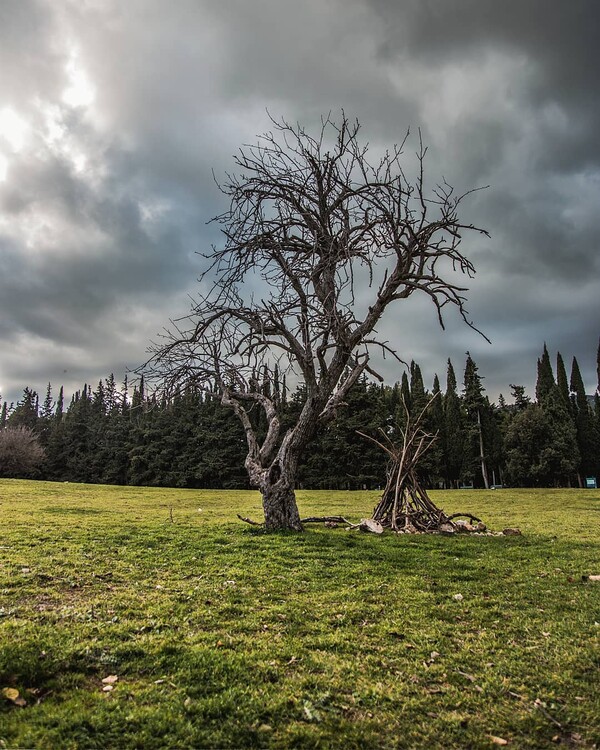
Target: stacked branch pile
pixel 405 506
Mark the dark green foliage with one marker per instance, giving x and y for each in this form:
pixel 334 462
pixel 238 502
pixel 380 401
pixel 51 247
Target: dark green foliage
pixel 110 435
pixel 538 444
pixel 340 458
pixel 521 399
pixel 478 426
pixel 454 433
pixel 25 414
pixel 561 379
pixel 545 377
pixel 587 435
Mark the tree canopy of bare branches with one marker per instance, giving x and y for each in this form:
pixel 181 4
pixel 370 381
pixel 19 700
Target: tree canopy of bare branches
pixel 20 452
pixel 311 220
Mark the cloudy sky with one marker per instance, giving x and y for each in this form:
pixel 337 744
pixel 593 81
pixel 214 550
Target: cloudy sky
pixel 113 115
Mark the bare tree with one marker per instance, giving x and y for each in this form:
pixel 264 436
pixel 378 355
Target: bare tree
pixel 21 454
pixel 312 226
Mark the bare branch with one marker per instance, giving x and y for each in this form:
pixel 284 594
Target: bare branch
pixel 310 220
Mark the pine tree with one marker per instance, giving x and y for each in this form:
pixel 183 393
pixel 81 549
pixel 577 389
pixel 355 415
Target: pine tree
pixel 46 417
pixel 521 399
pixel 25 413
pixel 475 406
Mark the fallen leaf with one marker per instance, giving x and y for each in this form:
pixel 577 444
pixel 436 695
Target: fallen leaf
pixel 12 694
pixel 110 680
pixel 458 597
pixel 107 688
pixel 498 740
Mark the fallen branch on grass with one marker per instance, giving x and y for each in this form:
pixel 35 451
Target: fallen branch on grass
pixel 325 519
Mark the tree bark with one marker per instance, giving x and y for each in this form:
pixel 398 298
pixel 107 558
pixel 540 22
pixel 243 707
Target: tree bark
pixel 280 507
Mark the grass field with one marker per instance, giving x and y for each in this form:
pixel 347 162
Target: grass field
pixel 220 636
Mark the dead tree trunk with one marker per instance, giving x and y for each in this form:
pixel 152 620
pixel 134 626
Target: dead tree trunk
pixel 280 508
pixel 279 497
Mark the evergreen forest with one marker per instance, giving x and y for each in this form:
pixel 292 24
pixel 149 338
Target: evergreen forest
pixel 114 434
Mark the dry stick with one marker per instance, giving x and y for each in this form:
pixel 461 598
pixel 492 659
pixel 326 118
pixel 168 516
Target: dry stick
pixel 250 521
pixel 325 519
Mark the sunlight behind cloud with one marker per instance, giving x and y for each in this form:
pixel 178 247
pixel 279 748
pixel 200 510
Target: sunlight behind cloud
pixel 79 92
pixel 13 129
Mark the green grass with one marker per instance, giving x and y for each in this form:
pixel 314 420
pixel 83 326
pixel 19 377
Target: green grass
pixel 225 637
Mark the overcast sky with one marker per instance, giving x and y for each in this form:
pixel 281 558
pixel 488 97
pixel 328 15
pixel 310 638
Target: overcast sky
pixel 113 115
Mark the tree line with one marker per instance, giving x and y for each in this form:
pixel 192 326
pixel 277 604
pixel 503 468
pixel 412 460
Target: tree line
pixel 112 434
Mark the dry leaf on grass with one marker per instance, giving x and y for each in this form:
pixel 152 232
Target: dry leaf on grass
pixel 498 740
pixel 12 694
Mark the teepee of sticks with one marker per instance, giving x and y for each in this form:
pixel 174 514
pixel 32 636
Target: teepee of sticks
pixel 405 505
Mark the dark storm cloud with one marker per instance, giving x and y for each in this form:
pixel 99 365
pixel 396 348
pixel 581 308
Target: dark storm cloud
pixel 105 204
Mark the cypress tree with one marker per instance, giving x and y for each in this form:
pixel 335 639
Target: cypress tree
pixel 405 392
pixel 598 366
pixel 562 453
pixel 453 435
pixel 587 436
pixel 561 379
pixel 436 426
pixel 545 377
pixel 418 396
pixel 475 403
pixel 60 405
